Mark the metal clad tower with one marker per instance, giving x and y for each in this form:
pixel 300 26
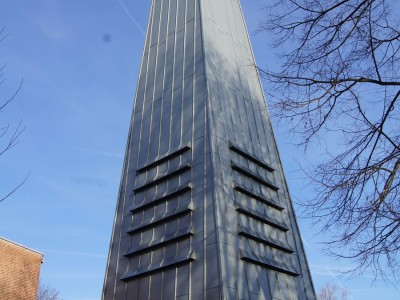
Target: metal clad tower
pixel 203 209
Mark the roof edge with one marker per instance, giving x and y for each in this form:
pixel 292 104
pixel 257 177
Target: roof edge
pixel 20 245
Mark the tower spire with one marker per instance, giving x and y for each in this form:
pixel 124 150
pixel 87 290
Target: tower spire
pixel 203 209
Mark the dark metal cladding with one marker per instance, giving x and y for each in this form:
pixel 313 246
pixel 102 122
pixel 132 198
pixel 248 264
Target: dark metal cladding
pixel 203 210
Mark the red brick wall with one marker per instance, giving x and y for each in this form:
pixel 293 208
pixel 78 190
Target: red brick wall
pixel 19 271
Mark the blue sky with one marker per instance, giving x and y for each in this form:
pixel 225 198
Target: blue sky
pixel 79 60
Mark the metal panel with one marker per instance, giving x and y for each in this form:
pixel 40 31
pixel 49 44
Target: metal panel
pixel 164 21
pixel 180 18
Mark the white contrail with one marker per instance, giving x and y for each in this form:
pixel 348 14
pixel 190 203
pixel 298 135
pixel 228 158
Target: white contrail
pixel 132 18
pixel 95 255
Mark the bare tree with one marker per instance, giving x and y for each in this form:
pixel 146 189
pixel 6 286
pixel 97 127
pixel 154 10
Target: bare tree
pixel 9 136
pixel 47 293
pixel 339 79
pixel 332 292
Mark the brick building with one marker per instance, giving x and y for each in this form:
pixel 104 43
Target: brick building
pixel 19 271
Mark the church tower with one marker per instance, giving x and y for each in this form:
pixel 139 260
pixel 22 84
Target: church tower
pixel 203 210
